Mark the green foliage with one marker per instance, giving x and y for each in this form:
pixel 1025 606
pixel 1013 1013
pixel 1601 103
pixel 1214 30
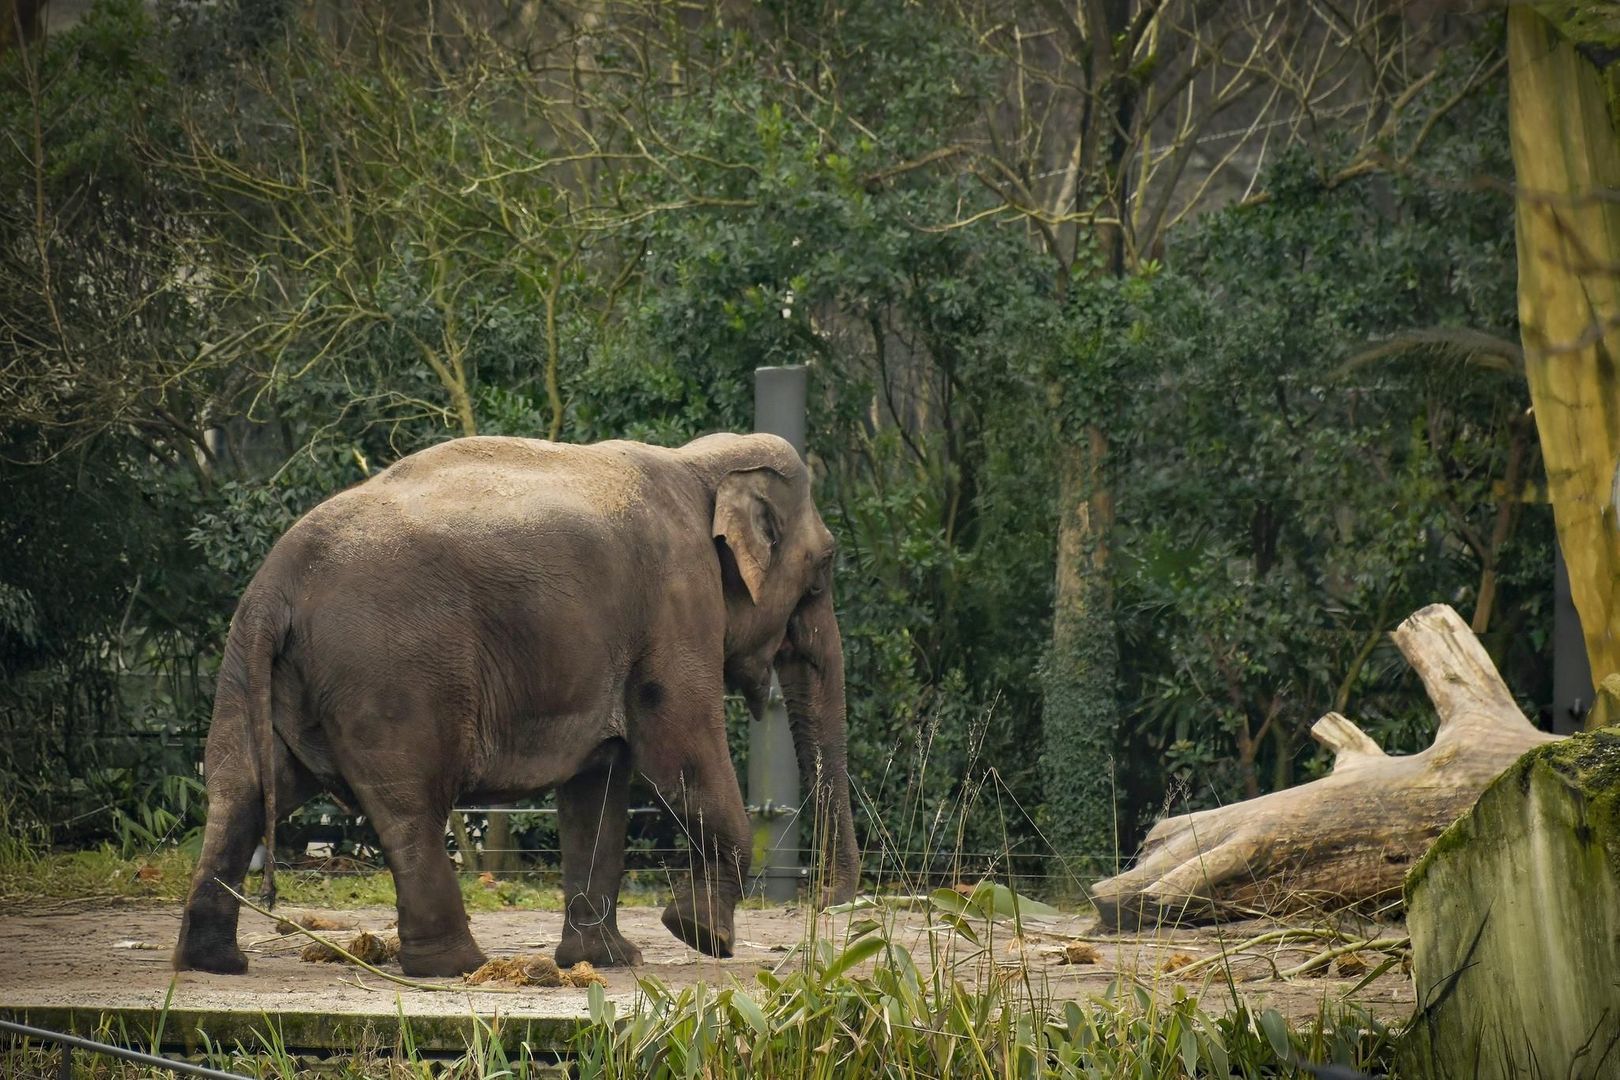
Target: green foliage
pixel 162 872
pixel 1285 492
pixel 312 253
pixel 168 812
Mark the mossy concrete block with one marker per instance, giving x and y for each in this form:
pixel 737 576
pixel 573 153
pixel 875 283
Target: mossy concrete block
pixel 1515 920
pixel 193 1032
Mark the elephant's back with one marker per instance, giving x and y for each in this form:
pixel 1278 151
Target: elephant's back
pixel 474 516
pixel 488 472
pixel 503 491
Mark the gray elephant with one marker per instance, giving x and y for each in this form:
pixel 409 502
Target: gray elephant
pixel 495 617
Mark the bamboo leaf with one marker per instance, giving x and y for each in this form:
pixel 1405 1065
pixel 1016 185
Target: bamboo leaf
pixel 856 953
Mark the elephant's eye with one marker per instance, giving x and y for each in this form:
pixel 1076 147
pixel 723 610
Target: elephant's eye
pixel 820 576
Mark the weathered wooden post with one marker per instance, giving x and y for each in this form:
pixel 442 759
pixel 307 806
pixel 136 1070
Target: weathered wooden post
pixel 773 767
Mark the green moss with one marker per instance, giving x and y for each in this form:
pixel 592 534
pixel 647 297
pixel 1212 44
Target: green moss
pixel 1597 27
pixel 1457 835
pixel 1585 23
pixel 1588 762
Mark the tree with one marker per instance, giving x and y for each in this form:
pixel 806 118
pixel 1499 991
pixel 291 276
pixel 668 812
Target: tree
pixel 1123 120
pixel 1566 156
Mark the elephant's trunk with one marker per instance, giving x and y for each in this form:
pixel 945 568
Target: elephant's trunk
pixel 811 669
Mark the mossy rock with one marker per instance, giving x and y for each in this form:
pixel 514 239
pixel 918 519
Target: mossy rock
pixel 1515 920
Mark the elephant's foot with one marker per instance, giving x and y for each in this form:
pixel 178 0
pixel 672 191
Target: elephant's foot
pixel 603 946
pixel 711 936
pixel 219 959
pixel 440 959
pixel 208 943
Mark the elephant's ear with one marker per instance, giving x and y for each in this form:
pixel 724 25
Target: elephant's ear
pixel 748 524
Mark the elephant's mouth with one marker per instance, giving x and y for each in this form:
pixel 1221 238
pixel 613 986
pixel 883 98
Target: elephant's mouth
pixel 751 679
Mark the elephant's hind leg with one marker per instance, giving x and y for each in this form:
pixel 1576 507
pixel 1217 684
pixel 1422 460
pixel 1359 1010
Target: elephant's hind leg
pixel 234 827
pixel 434 938
pixel 591 813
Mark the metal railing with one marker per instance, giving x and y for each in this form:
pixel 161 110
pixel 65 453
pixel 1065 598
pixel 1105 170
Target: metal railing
pixel 70 1043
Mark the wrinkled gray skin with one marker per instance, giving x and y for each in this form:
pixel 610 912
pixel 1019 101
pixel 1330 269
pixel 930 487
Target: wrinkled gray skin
pixel 495 617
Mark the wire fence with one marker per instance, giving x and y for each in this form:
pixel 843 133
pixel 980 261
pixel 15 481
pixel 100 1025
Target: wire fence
pixel 651 865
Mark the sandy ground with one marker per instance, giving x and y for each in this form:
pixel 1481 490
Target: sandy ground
pixel 118 958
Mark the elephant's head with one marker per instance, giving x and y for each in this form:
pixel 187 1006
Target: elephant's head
pixel 776 559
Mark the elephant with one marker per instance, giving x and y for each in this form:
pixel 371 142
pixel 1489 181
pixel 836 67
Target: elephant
pixel 493 617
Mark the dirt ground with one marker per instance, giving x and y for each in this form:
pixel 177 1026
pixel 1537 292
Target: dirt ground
pixel 117 957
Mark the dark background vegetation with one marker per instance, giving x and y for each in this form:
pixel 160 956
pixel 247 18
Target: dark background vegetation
pixel 252 252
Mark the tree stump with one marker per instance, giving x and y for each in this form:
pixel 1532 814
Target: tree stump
pixel 1349 837
pixel 1515 921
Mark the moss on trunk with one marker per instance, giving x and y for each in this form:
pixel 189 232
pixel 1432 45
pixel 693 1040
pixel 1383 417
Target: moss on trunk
pixel 1515 920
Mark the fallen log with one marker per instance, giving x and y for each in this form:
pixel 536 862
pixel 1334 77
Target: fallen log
pixel 1349 837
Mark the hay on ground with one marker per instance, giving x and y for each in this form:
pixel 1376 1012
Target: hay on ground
pixel 1176 961
pixel 534 970
pixel 1351 964
pixel 1079 952
pixel 371 948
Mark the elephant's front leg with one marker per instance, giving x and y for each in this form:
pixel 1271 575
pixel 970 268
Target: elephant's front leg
pixel 591 819
pixel 688 762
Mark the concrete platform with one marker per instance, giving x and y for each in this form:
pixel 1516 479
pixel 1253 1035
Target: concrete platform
pixel 107 968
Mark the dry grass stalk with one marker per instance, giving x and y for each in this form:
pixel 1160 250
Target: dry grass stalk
pixel 290 923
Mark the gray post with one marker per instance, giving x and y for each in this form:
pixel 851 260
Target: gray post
pixel 1572 671
pixel 773 767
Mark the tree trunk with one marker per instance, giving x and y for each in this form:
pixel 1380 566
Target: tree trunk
pixel 1079 698
pixel 1566 157
pixel 1349 837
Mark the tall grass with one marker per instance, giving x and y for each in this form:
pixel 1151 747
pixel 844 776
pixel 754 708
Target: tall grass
pixel 832 1018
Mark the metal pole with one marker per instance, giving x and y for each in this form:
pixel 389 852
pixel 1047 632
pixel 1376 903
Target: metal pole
pixel 773 768
pixel 68 1042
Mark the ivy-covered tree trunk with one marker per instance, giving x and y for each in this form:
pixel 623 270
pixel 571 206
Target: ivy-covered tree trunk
pixel 1080 693
pixel 1080 709
pixel 1566 154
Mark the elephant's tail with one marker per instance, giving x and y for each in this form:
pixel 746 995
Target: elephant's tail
pixel 264 622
